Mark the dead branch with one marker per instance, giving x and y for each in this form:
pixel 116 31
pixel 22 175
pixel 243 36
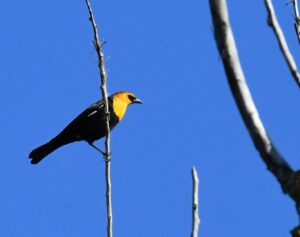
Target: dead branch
pixel 272 22
pixel 297 19
pixel 276 164
pixel 196 219
pixel 103 88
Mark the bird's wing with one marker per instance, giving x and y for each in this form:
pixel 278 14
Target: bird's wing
pixel 79 123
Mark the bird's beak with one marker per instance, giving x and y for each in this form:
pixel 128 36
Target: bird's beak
pixel 137 101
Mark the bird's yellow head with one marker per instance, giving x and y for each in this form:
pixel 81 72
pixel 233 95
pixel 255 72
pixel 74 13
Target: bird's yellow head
pixel 121 100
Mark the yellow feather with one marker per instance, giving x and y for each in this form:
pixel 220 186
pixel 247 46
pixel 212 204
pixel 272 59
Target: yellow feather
pixel 120 103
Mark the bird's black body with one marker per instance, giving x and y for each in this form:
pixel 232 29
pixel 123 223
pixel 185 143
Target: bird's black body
pixel 88 126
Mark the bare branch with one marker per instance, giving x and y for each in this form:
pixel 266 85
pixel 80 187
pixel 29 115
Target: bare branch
pixel 288 179
pixel 272 21
pixel 297 19
pixel 295 3
pixel 196 219
pixel 103 77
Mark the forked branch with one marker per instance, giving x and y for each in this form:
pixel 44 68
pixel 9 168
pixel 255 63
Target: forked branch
pixel 285 175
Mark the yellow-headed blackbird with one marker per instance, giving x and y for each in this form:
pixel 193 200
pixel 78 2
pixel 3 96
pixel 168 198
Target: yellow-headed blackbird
pixel 89 126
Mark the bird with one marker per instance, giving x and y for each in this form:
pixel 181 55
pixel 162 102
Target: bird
pixel 89 125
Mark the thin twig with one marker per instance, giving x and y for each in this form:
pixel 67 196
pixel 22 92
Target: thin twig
pixel 97 44
pixel 295 3
pixel 196 219
pixel 286 176
pixel 272 21
pixel 297 19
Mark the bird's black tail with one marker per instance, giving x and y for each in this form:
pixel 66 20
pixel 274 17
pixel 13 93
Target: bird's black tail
pixel 41 152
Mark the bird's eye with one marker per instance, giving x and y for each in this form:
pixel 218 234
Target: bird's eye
pixel 131 97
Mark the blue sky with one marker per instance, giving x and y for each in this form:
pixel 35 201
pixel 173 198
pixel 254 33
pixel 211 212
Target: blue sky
pixel 164 52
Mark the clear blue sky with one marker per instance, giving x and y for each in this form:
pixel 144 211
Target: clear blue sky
pixel 164 51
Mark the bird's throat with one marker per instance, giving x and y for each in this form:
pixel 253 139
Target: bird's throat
pixel 119 108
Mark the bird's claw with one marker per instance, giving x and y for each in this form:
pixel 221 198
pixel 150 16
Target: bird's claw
pixel 107 157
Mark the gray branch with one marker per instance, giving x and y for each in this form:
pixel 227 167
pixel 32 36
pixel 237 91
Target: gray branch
pixel 272 21
pixel 103 77
pixel 196 219
pixel 297 19
pixel 286 176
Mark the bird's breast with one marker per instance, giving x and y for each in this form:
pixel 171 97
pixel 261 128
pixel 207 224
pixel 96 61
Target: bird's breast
pixel 119 108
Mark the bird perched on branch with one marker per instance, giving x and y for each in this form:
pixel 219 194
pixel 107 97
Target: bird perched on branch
pixel 88 126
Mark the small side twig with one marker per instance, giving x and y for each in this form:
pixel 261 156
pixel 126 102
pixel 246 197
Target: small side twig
pixel 297 19
pixel 196 219
pixel 272 21
pixel 103 77
pixel 275 162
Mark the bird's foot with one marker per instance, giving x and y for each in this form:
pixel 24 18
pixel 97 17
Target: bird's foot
pixel 97 148
pixel 106 157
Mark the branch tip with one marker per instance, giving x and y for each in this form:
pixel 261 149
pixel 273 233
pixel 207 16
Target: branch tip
pixel 195 206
